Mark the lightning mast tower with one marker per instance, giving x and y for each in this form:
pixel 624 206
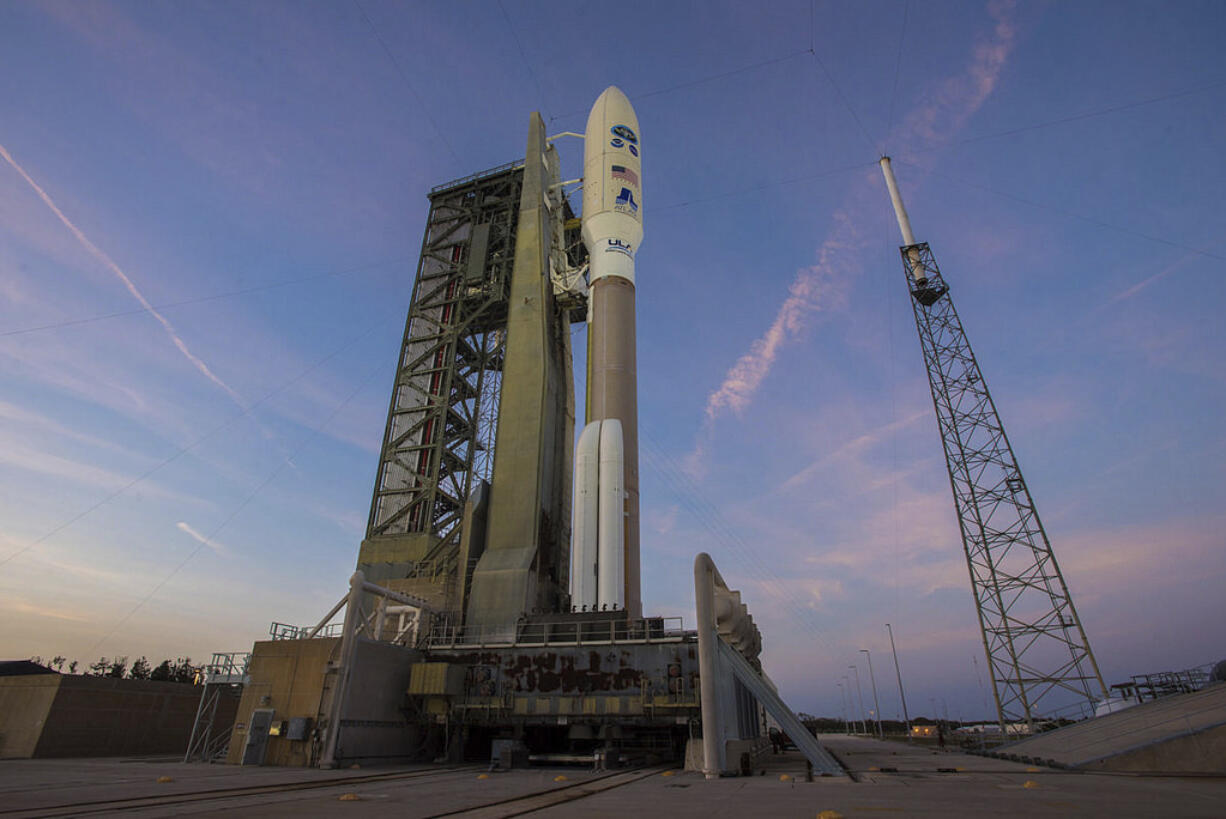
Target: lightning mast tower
pixel 1036 647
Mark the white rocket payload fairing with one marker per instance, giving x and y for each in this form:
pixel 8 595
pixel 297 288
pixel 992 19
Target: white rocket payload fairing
pixel 605 530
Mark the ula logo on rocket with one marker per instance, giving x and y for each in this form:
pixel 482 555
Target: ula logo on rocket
pixel 619 246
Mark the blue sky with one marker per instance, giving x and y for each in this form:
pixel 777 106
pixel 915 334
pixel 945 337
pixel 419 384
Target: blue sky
pixel 172 480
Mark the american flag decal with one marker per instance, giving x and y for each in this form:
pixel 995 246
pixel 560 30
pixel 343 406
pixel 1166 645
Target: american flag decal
pixel 622 172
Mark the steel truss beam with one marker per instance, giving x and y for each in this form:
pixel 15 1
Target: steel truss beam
pixel 441 424
pixel 1037 650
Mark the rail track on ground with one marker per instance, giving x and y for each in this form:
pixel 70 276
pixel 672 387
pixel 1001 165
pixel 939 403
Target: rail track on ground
pixel 509 806
pixel 99 806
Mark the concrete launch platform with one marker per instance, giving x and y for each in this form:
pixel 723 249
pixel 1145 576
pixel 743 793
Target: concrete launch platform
pixel 1183 733
pixel 887 778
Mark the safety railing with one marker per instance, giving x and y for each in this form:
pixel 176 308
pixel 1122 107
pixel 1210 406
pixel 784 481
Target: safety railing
pixel 560 633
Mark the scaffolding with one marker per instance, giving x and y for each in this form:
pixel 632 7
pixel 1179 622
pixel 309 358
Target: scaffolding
pixel 441 424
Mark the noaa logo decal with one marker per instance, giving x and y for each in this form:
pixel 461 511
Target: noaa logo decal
pixel 625 133
pixel 633 150
pixel 617 143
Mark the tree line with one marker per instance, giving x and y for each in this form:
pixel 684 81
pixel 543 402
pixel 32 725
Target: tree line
pixel 180 669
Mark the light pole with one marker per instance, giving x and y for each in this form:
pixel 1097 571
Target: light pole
pixel 843 700
pixel 873 680
pixel 851 702
pixel 901 694
pixel 860 696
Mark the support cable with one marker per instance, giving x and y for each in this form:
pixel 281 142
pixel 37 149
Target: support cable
pixel 405 78
pixel 259 288
pixel 1055 209
pixel 1098 112
pixel 902 34
pixel 700 81
pixel 180 452
pixel 308 438
pixel 514 36
pixel 847 104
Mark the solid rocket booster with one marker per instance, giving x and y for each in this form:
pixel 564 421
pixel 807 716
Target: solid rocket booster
pixel 606 524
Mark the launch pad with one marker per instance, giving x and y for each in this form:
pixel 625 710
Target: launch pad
pixel 489 618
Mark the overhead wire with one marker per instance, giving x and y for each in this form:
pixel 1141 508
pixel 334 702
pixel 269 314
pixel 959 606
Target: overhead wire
pixel 1065 211
pixel 1098 112
pixel 768 185
pixel 700 81
pixel 197 300
pixel 847 104
pixel 709 517
pixel 181 451
pixel 421 106
pixel 234 513
pixel 515 36
pixel 902 34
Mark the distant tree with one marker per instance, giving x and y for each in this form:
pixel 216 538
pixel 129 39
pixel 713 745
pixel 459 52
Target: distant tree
pixel 100 668
pixel 163 673
pixel 184 671
pixel 118 667
pixel 72 667
pixel 36 659
pixel 57 662
pixel 140 669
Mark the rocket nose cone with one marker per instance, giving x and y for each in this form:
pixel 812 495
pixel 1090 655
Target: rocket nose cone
pixel 611 104
pixel 613 93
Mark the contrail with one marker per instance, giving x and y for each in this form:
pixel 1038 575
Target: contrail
pixel 123 277
pixel 222 551
pixel 823 286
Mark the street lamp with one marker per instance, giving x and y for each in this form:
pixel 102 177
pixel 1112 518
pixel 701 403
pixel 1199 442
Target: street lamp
pixel 843 700
pixel 873 680
pixel 902 696
pixel 860 696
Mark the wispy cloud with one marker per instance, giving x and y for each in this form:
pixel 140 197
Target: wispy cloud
pixel 819 287
pixel 825 285
pixel 110 264
pixel 222 551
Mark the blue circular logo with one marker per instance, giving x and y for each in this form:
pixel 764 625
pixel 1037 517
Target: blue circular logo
pixel 616 143
pixel 624 132
pixel 633 150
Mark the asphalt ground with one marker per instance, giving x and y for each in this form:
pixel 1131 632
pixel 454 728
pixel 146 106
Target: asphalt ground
pixel 887 778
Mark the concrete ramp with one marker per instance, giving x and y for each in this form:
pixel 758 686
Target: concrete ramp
pixel 1183 733
pixel 823 762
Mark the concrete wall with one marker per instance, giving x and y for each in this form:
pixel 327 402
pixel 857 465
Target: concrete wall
pixel 25 702
pixel 1203 752
pixel 373 724
pixel 294 678
pixel 105 716
pixel 289 677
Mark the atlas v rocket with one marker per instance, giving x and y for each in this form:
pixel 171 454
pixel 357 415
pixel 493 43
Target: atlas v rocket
pixel 605 529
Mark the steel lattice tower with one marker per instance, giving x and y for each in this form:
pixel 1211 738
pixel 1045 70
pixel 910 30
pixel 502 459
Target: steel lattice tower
pixel 1035 644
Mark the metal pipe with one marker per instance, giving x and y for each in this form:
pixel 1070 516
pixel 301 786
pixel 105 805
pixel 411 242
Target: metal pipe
pixel 704 605
pixel 860 695
pixel 876 703
pixel 340 604
pixel 900 211
pixel 904 224
pixel 349 642
pixel 901 694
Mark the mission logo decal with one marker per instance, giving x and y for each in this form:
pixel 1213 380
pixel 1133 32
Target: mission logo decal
pixel 617 143
pixel 625 202
pixel 625 133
